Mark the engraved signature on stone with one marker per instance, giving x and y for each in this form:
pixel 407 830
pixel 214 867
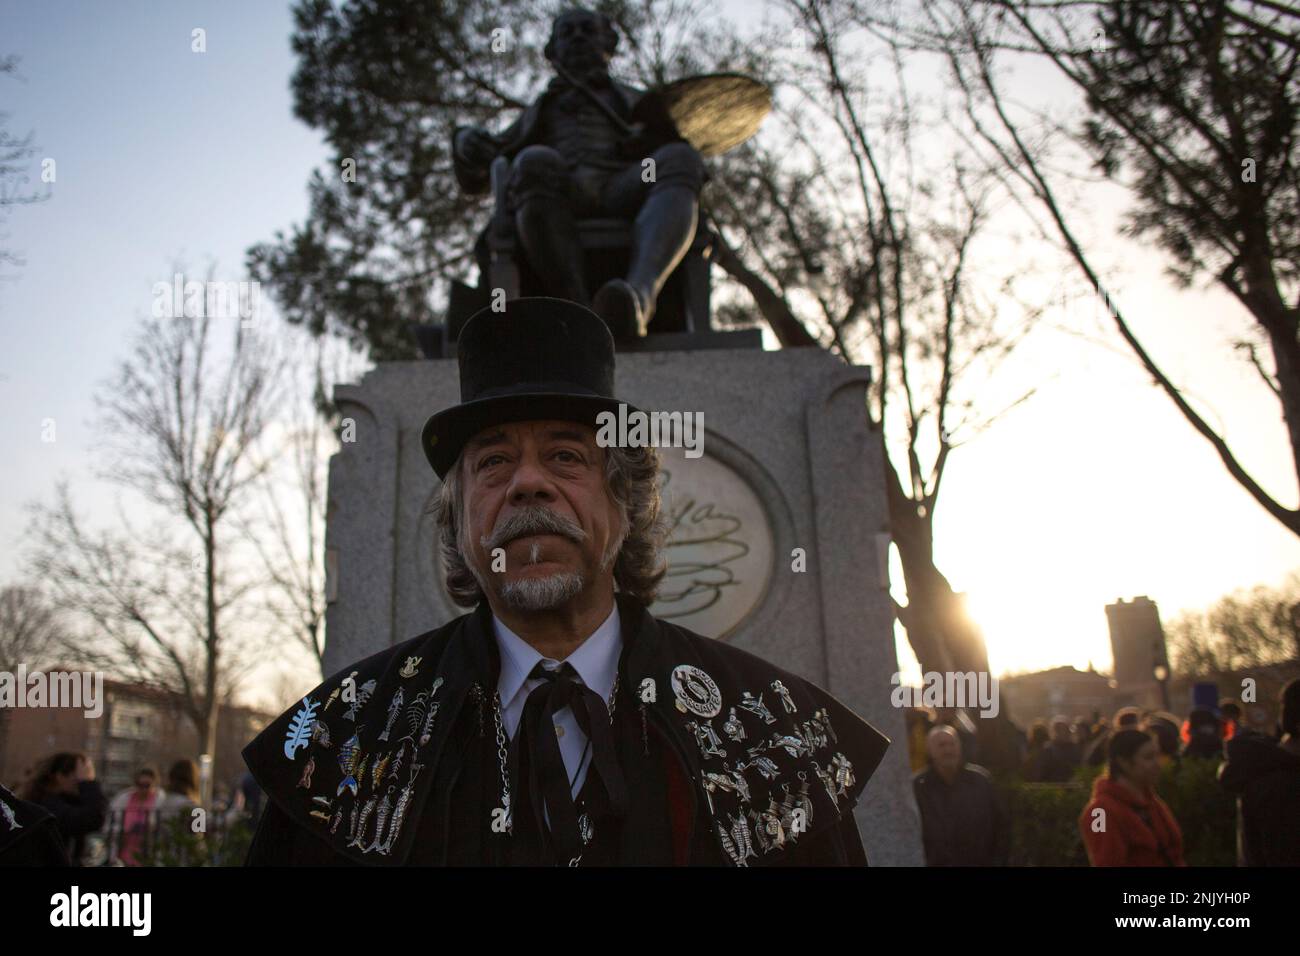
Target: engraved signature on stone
pixel 702 541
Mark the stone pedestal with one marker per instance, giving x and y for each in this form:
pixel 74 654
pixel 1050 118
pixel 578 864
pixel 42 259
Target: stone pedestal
pixel 791 477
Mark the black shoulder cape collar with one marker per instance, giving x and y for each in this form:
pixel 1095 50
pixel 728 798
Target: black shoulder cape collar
pixel 354 760
pixel 775 758
pixel 18 818
pixel 772 756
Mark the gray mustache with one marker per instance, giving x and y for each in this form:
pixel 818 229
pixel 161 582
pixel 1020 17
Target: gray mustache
pixel 534 520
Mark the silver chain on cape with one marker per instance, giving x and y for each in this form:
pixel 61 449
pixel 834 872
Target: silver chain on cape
pixel 502 754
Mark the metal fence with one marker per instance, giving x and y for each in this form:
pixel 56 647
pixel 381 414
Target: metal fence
pixel 191 836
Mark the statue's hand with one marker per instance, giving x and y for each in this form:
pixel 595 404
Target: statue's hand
pixel 475 147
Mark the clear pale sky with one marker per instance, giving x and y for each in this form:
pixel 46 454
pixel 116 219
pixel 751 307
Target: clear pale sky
pixel 1095 490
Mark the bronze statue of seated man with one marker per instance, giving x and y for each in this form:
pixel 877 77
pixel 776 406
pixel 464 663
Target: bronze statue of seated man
pixel 576 153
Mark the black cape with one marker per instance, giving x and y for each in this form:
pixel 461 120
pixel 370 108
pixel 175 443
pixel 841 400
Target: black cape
pixel 728 760
pixel 29 834
pixel 1266 778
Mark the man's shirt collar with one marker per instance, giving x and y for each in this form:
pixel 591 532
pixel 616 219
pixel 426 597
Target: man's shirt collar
pixel 595 660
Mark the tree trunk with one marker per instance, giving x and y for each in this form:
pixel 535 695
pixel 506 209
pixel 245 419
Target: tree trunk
pixel 210 705
pixel 941 632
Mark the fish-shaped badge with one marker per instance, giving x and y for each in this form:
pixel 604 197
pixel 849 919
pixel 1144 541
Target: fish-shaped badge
pixel 349 757
pixel 298 735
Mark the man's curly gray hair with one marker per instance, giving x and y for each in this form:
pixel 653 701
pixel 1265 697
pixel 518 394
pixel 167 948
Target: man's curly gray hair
pixel 632 480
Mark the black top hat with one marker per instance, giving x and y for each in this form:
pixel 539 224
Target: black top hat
pixel 538 358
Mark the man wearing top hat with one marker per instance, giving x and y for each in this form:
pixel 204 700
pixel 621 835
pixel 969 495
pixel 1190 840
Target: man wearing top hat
pixel 558 722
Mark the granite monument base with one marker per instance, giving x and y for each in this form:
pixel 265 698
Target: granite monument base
pixel 779 540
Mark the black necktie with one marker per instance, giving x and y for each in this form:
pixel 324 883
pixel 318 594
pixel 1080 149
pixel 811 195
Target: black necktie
pixel 535 758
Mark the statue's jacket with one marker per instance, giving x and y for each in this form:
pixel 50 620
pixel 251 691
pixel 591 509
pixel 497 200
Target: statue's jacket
pixel 524 132
pixel 728 760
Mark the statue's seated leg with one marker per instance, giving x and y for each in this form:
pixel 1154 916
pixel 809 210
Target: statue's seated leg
pixel 666 210
pixel 540 198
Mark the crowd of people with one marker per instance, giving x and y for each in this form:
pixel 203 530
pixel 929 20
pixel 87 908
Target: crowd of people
pixel 964 819
pixel 1058 747
pixel 90 828
pixel 965 822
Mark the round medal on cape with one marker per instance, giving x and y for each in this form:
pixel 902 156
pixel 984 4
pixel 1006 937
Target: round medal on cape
pixel 696 691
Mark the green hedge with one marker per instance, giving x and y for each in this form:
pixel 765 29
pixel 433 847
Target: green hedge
pixel 177 845
pixel 1044 816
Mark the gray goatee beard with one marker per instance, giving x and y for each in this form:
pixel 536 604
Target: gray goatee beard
pixel 542 594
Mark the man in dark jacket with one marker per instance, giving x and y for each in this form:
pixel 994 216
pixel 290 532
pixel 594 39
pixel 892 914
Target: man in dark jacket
pixel 559 723
pixel 1061 754
pixel 569 160
pixel 963 820
pixel 1265 776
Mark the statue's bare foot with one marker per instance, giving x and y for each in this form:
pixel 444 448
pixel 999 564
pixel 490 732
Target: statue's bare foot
pixel 623 308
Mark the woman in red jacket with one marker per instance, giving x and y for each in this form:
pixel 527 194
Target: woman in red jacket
pixel 1126 824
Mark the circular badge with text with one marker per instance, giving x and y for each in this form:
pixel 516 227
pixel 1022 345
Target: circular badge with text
pixel 696 691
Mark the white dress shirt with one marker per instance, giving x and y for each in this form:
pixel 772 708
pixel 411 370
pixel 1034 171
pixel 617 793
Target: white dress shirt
pixel 595 660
